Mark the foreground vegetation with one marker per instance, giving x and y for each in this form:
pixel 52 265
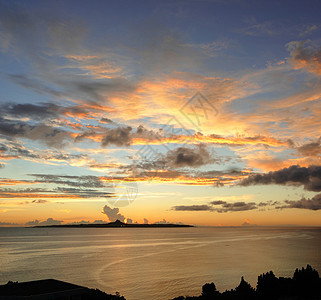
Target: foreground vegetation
pixel 95 294
pixel 304 285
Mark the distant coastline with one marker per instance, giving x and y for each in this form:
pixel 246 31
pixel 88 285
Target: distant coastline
pixel 116 224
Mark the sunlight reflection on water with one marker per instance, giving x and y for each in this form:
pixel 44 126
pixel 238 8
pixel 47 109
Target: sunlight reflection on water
pixel 158 263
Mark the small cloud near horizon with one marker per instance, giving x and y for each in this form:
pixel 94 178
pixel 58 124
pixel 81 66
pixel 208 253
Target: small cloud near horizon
pixel 247 222
pixel 48 222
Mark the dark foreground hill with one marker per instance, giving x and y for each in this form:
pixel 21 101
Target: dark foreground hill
pixel 304 285
pixel 50 289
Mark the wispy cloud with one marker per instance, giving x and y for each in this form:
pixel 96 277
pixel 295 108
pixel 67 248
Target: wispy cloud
pixel 306 56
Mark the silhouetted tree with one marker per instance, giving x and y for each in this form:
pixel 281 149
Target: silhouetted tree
pixel 305 285
pixel 228 295
pixel 285 287
pixel 95 294
pixel 267 285
pixel 209 291
pixel 307 282
pixel 244 290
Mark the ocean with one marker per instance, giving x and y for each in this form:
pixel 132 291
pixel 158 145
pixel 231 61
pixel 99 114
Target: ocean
pixel 156 263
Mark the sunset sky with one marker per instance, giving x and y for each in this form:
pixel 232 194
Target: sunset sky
pixel 201 112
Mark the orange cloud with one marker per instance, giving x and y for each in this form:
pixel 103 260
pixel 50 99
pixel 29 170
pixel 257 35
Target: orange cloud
pixel 176 177
pixel 96 66
pixel 157 139
pixel 5 181
pixel 214 139
pixel 305 56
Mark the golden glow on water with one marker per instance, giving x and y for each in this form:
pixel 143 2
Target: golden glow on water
pixel 158 263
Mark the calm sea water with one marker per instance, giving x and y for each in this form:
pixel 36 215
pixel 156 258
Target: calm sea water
pixel 155 263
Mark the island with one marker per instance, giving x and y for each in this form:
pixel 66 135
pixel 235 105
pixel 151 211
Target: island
pixel 118 224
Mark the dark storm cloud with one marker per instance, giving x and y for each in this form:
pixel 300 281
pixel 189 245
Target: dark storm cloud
pixel 9 128
pixel 123 136
pixel 177 158
pixel 145 165
pixel 80 192
pixel 159 169
pixel 67 186
pixel 202 207
pixel 120 136
pixel 86 193
pixel 212 206
pixel 65 156
pixel 44 111
pixel 51 136
pixel 310 149
pixel 74 181
pixel 106 120
pixel 268 203
pixel 305 203
pixel 218 202
pixel 86 134
pixel 15 150
pixel 5 191
pixel 3 147
pixel 9 193
pixel 225 173
pixel 309 177
pixel 236 206
pixel 113 214
pixel 143 133
pixel 36 112
pixel 188 157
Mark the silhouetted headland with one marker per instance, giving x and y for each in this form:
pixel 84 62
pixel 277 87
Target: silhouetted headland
pixel 48 289
pixel 118 224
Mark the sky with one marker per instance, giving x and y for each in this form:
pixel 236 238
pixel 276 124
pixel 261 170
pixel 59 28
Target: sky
pixel 196 112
